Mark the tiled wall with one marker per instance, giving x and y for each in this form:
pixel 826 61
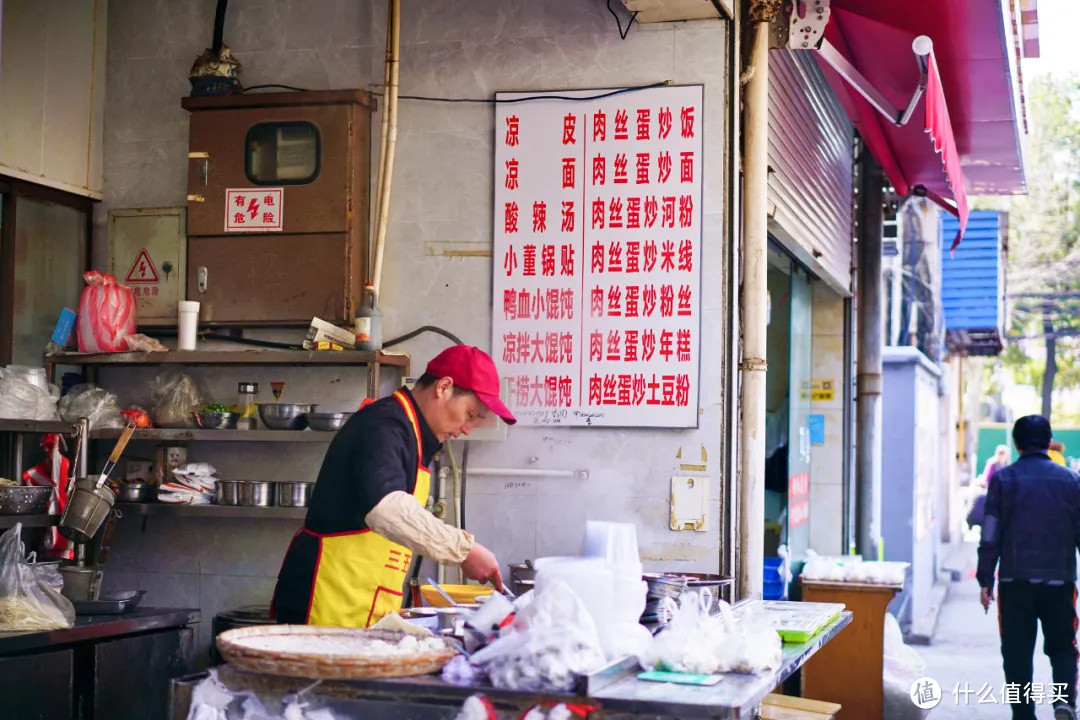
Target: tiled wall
pixel 827 461
pixel 442 194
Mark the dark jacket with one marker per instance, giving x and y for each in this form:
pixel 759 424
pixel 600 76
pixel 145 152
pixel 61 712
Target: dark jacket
pixel 1031 523
pixel 978 511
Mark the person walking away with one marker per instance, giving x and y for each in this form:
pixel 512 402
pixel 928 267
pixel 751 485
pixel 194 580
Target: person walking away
pixel 1030 534
pixel 998 460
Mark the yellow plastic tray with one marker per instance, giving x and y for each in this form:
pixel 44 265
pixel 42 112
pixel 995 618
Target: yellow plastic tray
pixel 464 594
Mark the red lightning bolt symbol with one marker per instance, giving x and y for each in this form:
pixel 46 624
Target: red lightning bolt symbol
pixel 253 208
pixel 142 269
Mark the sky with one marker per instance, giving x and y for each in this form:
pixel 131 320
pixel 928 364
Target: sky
pixel 1058 20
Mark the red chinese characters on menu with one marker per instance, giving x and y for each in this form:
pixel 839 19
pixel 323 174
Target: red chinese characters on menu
pixel 597 257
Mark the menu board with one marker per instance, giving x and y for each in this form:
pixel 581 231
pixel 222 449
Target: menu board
pixel 597 255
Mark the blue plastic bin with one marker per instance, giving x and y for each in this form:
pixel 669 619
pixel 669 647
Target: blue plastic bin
pixel 773 588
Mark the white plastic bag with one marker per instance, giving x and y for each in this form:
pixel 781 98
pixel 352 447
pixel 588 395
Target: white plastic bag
pixel 552 640
pixel 96 404
pixel 26 604
pixel 697 642
pixel 22 396
pixel 902 666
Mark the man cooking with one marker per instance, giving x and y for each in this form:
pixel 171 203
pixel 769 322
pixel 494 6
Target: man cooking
pixel 347 564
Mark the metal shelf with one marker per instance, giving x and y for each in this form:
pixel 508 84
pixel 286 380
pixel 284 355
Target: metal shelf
pixel 8 521
pixel 185 435
pixel 37 426
pixel 213 511
pixel 231 357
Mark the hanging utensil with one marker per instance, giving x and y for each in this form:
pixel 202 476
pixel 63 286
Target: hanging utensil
pixel 115 456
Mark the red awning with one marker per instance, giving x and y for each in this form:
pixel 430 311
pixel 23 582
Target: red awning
pixel 965 133
pixel 922 154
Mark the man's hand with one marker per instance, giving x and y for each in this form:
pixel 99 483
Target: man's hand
pixel 482 567
pixel 986 596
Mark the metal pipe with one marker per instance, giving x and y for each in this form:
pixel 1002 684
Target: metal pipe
pixel 751 520
pixel 530 473
pixel 393 60
pixel 868 382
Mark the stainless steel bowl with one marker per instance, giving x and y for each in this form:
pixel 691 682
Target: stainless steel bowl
pixel 327 422
pixel 293 494
pixel 229 492
pixel 24 499
pixel 285 416
pixel 133 492
pixel 216 420
pixel 257 493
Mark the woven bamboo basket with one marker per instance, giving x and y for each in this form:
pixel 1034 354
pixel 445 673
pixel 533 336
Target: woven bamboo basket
pixel 311 663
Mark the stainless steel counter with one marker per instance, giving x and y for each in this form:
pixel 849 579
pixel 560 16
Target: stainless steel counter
pixel 624 696
pixel 98 627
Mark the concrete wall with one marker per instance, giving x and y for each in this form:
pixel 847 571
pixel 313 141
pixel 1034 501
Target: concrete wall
pixel 442 197
pixel 911 473
pixel 52 93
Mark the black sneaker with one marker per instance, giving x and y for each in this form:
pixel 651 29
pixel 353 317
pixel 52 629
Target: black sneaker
pixel 1064 711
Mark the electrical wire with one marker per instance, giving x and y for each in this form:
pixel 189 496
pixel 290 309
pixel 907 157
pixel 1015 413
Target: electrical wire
pixel 464 476
pixel 530 98
pixel 274 85
pixel 618 23
pixel 426 328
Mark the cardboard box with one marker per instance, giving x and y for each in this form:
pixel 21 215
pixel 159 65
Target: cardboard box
pixel 321 331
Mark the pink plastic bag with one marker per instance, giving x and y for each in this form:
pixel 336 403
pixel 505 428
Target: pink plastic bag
pixel 106 314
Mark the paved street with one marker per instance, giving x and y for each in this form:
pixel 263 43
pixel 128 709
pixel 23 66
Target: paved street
pixel 966 650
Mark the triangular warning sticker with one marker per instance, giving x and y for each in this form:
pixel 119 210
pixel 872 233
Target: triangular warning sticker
pixel 142 270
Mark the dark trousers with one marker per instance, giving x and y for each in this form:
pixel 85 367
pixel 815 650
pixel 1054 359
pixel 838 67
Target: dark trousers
pixel 1021 606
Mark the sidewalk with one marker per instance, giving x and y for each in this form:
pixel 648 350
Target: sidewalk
pixel 966 649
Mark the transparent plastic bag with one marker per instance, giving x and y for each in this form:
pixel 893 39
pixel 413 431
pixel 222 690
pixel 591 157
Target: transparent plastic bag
pixel 24 400
pixel 901 667
pixel 96 404
pixel 26 604
pixel 697 642
pixel 553 640
pixel 174 397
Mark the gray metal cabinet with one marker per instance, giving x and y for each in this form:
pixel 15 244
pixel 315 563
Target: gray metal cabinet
pixel 37 687
pixel 132 674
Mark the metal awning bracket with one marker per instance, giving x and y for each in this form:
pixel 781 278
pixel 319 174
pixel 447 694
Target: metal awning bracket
pixel 806 31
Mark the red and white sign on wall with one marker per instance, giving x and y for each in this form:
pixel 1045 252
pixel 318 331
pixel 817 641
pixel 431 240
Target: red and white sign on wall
pixel 254 209
pixel 597 256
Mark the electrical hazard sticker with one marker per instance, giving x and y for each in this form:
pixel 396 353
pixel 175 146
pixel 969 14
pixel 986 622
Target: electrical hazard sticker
pixel 142 270
pixel 254 209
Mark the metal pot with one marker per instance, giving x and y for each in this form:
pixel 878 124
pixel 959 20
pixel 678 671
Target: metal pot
pixel 293 494
pixel 132 492
pixel 229 492
pixel 257 493
pixel 522 576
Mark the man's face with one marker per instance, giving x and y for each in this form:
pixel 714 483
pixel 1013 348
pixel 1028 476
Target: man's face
pixel 456 414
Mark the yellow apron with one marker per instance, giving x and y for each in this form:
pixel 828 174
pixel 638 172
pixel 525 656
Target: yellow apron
pixel 359 575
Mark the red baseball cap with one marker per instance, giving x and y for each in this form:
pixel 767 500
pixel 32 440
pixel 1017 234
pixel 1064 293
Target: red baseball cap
pixel 472 369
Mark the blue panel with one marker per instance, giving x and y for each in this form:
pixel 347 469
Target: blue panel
pixel 972 292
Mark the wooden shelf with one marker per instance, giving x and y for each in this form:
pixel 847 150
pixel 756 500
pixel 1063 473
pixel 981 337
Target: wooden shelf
pixel 213 511
pixel 231 357
pixel 8 521
pixel 185 435
pixel 37 426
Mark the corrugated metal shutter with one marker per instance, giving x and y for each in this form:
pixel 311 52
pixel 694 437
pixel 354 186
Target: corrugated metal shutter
pixel 973 282
pixel 810 179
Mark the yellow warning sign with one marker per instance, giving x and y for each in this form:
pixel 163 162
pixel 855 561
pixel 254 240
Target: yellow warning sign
pixel 822 390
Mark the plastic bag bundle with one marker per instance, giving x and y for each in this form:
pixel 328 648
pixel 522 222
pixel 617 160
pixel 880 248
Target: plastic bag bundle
pixel 26 603
pixel 553 639
pixel 192 484
pixel 901 667
pixel 24 399
pixel 96 404
pixel 106 314
pixel 697 642
pixel 175 396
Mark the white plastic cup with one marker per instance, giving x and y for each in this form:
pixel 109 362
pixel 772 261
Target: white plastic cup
pixel 188 323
